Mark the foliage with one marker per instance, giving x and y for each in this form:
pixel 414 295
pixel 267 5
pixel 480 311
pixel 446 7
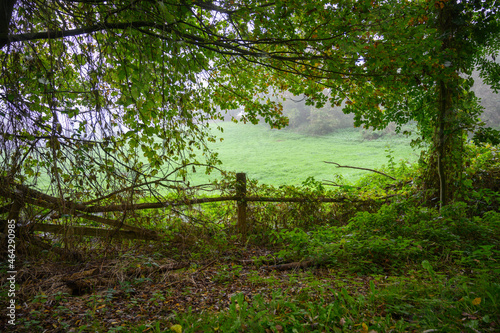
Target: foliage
pixel 481 178
pixel 115 83
pixel 87 94
pixel 397 234
pixel 404 231
pixel 486 135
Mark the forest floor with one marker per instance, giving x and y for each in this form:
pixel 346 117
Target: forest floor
pixel 241 290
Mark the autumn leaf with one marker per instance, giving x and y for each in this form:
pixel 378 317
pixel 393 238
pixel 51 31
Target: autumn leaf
pixel 476 301
pixel 176 328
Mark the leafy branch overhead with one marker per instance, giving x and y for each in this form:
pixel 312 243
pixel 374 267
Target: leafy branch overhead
pixel 105 95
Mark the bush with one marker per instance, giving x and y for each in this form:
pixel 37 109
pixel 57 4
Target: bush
pixel 397 235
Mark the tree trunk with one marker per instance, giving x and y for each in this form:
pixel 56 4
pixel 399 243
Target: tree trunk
pixel 446 162
pixel 6 9
pixel 447 145
pixel 440 143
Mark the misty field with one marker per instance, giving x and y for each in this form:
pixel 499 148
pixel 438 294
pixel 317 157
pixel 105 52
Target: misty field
pixel 283 157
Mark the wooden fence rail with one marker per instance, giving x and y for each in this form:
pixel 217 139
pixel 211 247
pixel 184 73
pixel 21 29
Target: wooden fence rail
pixel 81 210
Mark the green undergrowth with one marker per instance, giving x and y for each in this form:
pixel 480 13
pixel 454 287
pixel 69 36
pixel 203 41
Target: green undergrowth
pixel 414 303
pixel 380 260
pixel 396 235
pixel 429 270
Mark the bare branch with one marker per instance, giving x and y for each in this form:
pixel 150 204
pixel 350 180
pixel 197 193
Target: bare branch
pixel 358 168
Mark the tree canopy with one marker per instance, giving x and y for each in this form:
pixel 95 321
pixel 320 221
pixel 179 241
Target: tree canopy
pixel 88 87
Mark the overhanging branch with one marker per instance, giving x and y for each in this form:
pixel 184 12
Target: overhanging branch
pixel 55 34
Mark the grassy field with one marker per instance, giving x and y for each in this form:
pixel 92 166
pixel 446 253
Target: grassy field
pixel 284 157
pixel 279 157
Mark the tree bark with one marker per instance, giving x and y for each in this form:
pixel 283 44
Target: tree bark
pixel 446 164
pixel 440 144
pixel 6 9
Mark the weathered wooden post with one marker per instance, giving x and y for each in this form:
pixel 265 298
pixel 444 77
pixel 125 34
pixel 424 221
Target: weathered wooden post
pixel 241 192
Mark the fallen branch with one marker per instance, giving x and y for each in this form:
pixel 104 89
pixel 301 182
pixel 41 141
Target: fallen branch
pixel 117 224
pixel 284 199
pixel 291 265
pixel 43 200
pixel 358 168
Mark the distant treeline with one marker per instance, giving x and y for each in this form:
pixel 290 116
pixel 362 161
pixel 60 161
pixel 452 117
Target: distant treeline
pixel 309 120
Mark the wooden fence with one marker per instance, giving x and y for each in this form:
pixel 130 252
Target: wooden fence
pixel 131 232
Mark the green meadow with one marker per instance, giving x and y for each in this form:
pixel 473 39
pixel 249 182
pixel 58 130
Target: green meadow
pixel 284 157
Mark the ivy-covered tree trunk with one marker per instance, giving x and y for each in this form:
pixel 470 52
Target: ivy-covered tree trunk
pixel 446 161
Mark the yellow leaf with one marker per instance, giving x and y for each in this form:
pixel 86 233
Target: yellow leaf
pixel 365 328
pixel 176 328
pixel 476 301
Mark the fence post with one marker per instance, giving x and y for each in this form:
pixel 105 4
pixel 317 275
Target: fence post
pixel 241 191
